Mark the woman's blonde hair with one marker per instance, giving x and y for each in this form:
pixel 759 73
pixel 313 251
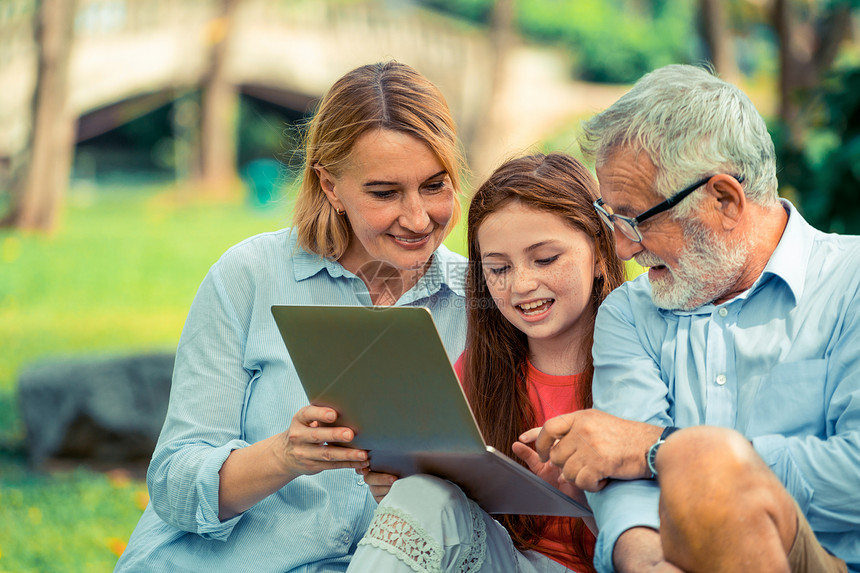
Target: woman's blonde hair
pixel 385 95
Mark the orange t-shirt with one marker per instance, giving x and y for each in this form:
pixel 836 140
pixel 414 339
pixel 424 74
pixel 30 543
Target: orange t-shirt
pixel 550 396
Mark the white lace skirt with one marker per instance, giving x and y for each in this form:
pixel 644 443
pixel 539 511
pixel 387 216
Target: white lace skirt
pixel 428 525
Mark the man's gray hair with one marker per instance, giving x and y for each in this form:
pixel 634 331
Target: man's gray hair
pixel 690 124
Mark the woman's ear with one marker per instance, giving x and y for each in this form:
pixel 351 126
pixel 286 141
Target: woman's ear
pixel 328 185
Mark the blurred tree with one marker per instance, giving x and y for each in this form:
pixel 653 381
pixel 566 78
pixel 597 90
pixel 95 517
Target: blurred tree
pixel 39 186
pixel 645 34
pixel 219 110
pixel 810 35
pixel 718 38
pixel 502 35
pixel 817 132
pixel 823 174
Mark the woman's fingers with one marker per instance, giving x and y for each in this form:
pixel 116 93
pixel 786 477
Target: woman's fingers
pixel 313 458
pixel 313 413
pixel 308 445
pixel 379 484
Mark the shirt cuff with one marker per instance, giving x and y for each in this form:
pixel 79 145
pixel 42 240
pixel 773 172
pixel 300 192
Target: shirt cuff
pixel 208 481
pixel 775 452
pixel 620 506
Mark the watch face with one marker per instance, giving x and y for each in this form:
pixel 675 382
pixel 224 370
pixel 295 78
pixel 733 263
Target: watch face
pixel 652 456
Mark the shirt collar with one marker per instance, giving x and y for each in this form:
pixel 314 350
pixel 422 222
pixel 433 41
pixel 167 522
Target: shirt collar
pixel 306 265
pixel 446 269
pixel 790 258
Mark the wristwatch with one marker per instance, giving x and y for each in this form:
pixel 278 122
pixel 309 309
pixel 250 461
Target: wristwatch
pixel 651 455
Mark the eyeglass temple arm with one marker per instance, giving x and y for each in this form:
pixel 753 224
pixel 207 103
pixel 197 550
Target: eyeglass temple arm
pixel 677 198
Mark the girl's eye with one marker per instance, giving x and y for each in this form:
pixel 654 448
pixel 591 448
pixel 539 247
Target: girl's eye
pixel 498 271
pixel 548 260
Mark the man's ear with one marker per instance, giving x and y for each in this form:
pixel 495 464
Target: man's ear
pixel 327 183
pixel 729 200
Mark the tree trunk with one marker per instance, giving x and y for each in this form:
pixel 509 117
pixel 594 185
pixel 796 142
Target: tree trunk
pixel 219 111
pixel 38 193
pixel 718 38
pixel 803 63
pixel 485 137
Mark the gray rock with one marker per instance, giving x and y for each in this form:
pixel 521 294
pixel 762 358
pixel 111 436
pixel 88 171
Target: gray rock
pixel 104 410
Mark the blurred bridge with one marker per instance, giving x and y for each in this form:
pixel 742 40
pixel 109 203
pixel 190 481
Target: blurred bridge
pixel 289 52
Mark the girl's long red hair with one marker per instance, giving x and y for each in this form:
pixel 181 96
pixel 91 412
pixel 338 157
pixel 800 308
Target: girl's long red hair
pixel 495 361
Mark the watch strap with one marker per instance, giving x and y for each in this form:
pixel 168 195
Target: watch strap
pixel 651 455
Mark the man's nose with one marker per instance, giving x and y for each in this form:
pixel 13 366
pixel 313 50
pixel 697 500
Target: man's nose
pixel 625 248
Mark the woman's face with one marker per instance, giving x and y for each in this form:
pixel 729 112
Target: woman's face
pixel 398 199
pixel 539 270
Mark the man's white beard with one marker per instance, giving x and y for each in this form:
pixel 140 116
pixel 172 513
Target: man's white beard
pixel 707 269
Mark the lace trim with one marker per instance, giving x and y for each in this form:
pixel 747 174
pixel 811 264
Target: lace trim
pixel 396 532
pixel 473 560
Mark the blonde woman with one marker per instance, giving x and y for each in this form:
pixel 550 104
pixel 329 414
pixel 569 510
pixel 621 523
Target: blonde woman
pixel 242 478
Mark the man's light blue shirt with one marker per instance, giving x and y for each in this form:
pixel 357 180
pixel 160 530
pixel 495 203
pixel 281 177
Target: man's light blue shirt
pixel 780 363
pixel 234 385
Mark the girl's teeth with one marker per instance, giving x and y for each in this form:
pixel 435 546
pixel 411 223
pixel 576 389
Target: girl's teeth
pixel 532 305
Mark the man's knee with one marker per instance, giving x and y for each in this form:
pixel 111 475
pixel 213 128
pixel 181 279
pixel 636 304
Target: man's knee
pixel 708 454
pixel 713 477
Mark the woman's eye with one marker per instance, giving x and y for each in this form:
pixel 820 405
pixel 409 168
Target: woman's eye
pixel 435 186
pixel 548 260
pixel 383 194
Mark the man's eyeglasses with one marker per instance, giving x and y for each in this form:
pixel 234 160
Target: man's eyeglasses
pixel 629 226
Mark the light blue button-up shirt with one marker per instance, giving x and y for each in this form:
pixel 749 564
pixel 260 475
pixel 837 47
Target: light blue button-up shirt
pixel 780 363
pixel 234 385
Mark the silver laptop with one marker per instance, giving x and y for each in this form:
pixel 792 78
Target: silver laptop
pixel 385 371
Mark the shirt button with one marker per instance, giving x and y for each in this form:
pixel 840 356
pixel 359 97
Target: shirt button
pixel 346 539
pixel 721 379
pixel 723 312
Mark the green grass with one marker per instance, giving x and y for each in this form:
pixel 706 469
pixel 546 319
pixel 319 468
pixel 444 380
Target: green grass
pixel 76 521
pixel 117 277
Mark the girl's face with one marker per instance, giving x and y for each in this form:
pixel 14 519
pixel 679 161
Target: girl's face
pixel 539 270
pixel 398 198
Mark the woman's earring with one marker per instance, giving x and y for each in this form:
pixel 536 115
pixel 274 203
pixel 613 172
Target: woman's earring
pixel 339 211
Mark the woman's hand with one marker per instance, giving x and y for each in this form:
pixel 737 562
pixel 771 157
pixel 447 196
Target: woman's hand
pixel 547 471
pixel 379 483
pixel 306 448
pixel 252 473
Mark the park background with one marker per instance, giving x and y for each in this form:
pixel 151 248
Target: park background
pixel 141 138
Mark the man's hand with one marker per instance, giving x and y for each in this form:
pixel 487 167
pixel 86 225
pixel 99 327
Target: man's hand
pixel 592 446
